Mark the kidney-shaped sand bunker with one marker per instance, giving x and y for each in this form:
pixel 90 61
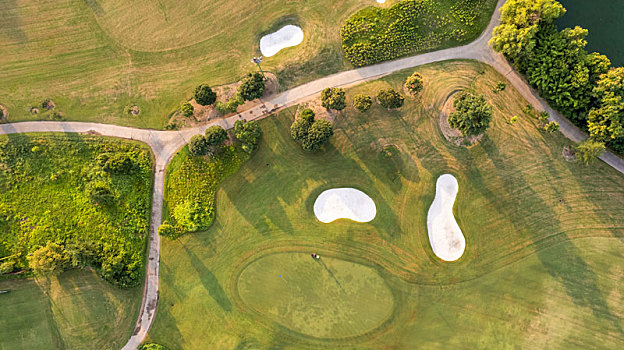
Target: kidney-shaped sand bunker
pixel 445 236
pixel 344 203
pixel 324 298
pixel 287 36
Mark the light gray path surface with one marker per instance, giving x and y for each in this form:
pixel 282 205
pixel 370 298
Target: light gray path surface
pixel 165 144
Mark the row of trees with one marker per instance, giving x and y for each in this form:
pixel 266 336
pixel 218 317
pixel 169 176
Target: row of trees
pixel 252 87
pixel 581 85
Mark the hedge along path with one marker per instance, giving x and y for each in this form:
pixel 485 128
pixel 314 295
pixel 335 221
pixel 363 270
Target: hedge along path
pixel 165 144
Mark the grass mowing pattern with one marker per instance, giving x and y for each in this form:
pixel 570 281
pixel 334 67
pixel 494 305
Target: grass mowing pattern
pixel 94 57
pixel 375 34
pixel 42 198
pixel 76 310
pixel 545 247
pixel 324 298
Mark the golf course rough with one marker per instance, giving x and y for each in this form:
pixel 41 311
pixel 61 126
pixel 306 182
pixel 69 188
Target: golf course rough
pixel 344 203
pixel 322 298
pixel 286 36
pixel 445 236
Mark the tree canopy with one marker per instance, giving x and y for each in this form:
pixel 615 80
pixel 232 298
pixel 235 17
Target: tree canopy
pixel 310 132
pixel 472 114
pixel 414 83
pixel 606 121
pixel 215 136
pixel 204 95
pixel 390 99
pixel 333 98
pixel 197 145
pixel 362 102
pixel 248 133
pixel 49 259
pixel 252 86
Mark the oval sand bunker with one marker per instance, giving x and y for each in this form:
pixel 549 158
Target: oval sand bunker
pixel 325 298
pixel 344 203
pixel 287 36
pixel 445 236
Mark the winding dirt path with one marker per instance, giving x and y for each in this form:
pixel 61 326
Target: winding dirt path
pixel 165 144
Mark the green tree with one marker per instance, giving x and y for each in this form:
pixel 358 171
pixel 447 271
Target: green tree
pixel 333 98
pixel 204 95
pixel 520 23
pixel 252 86
pixel 248 133
pixel 49 259
pixel 215 136
pixel 362 102
pixel 299 128
pixel 390 99
pixel 198 145
pixel 606 121
pixel 187 109
pixel 472 116
pixel 318 134
pixel 414 83
pixel 589 150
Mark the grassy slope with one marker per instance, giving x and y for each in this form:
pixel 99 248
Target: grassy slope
pixel 77 310
pixel 545 245
pixel 94 57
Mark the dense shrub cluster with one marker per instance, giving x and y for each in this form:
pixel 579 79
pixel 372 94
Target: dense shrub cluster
pixel 192 183
pixel 74 201
pixel 583 86
pixel 376 34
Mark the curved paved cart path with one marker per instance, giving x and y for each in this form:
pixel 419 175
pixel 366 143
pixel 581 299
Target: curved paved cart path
pixel 165 144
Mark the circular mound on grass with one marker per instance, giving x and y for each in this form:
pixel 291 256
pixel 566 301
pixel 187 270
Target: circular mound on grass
pixel 322 298
pixel 344 203
pixel 450 134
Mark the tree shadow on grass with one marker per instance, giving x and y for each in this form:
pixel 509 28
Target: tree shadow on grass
pixel 209 281
pixel 562 261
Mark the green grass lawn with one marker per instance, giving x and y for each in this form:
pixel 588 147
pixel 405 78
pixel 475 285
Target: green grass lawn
pixel 77 310
pixel 94 57
pixel 42 198
pixel 543 264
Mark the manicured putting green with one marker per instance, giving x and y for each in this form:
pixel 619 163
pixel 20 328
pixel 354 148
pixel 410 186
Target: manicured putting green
pixel 325 298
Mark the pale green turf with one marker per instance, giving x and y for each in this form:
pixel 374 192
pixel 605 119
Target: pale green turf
pixel 77 310
pixel 544 262
pixel 94 57
pixel 325 297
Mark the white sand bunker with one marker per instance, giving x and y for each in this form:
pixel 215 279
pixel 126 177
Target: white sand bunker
pixel 287 36
pixel 344 203
pixel 445 236
pixel 381 1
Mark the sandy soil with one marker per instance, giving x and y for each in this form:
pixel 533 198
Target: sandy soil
pixel 445 236
pixel 287 36
pixel 344 203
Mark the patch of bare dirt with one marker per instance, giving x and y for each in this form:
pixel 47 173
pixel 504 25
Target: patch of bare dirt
pixel 451 134
pixel 569 154
pixel 320 112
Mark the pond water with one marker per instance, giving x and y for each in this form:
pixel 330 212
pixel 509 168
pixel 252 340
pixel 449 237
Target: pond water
pixel 605 21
